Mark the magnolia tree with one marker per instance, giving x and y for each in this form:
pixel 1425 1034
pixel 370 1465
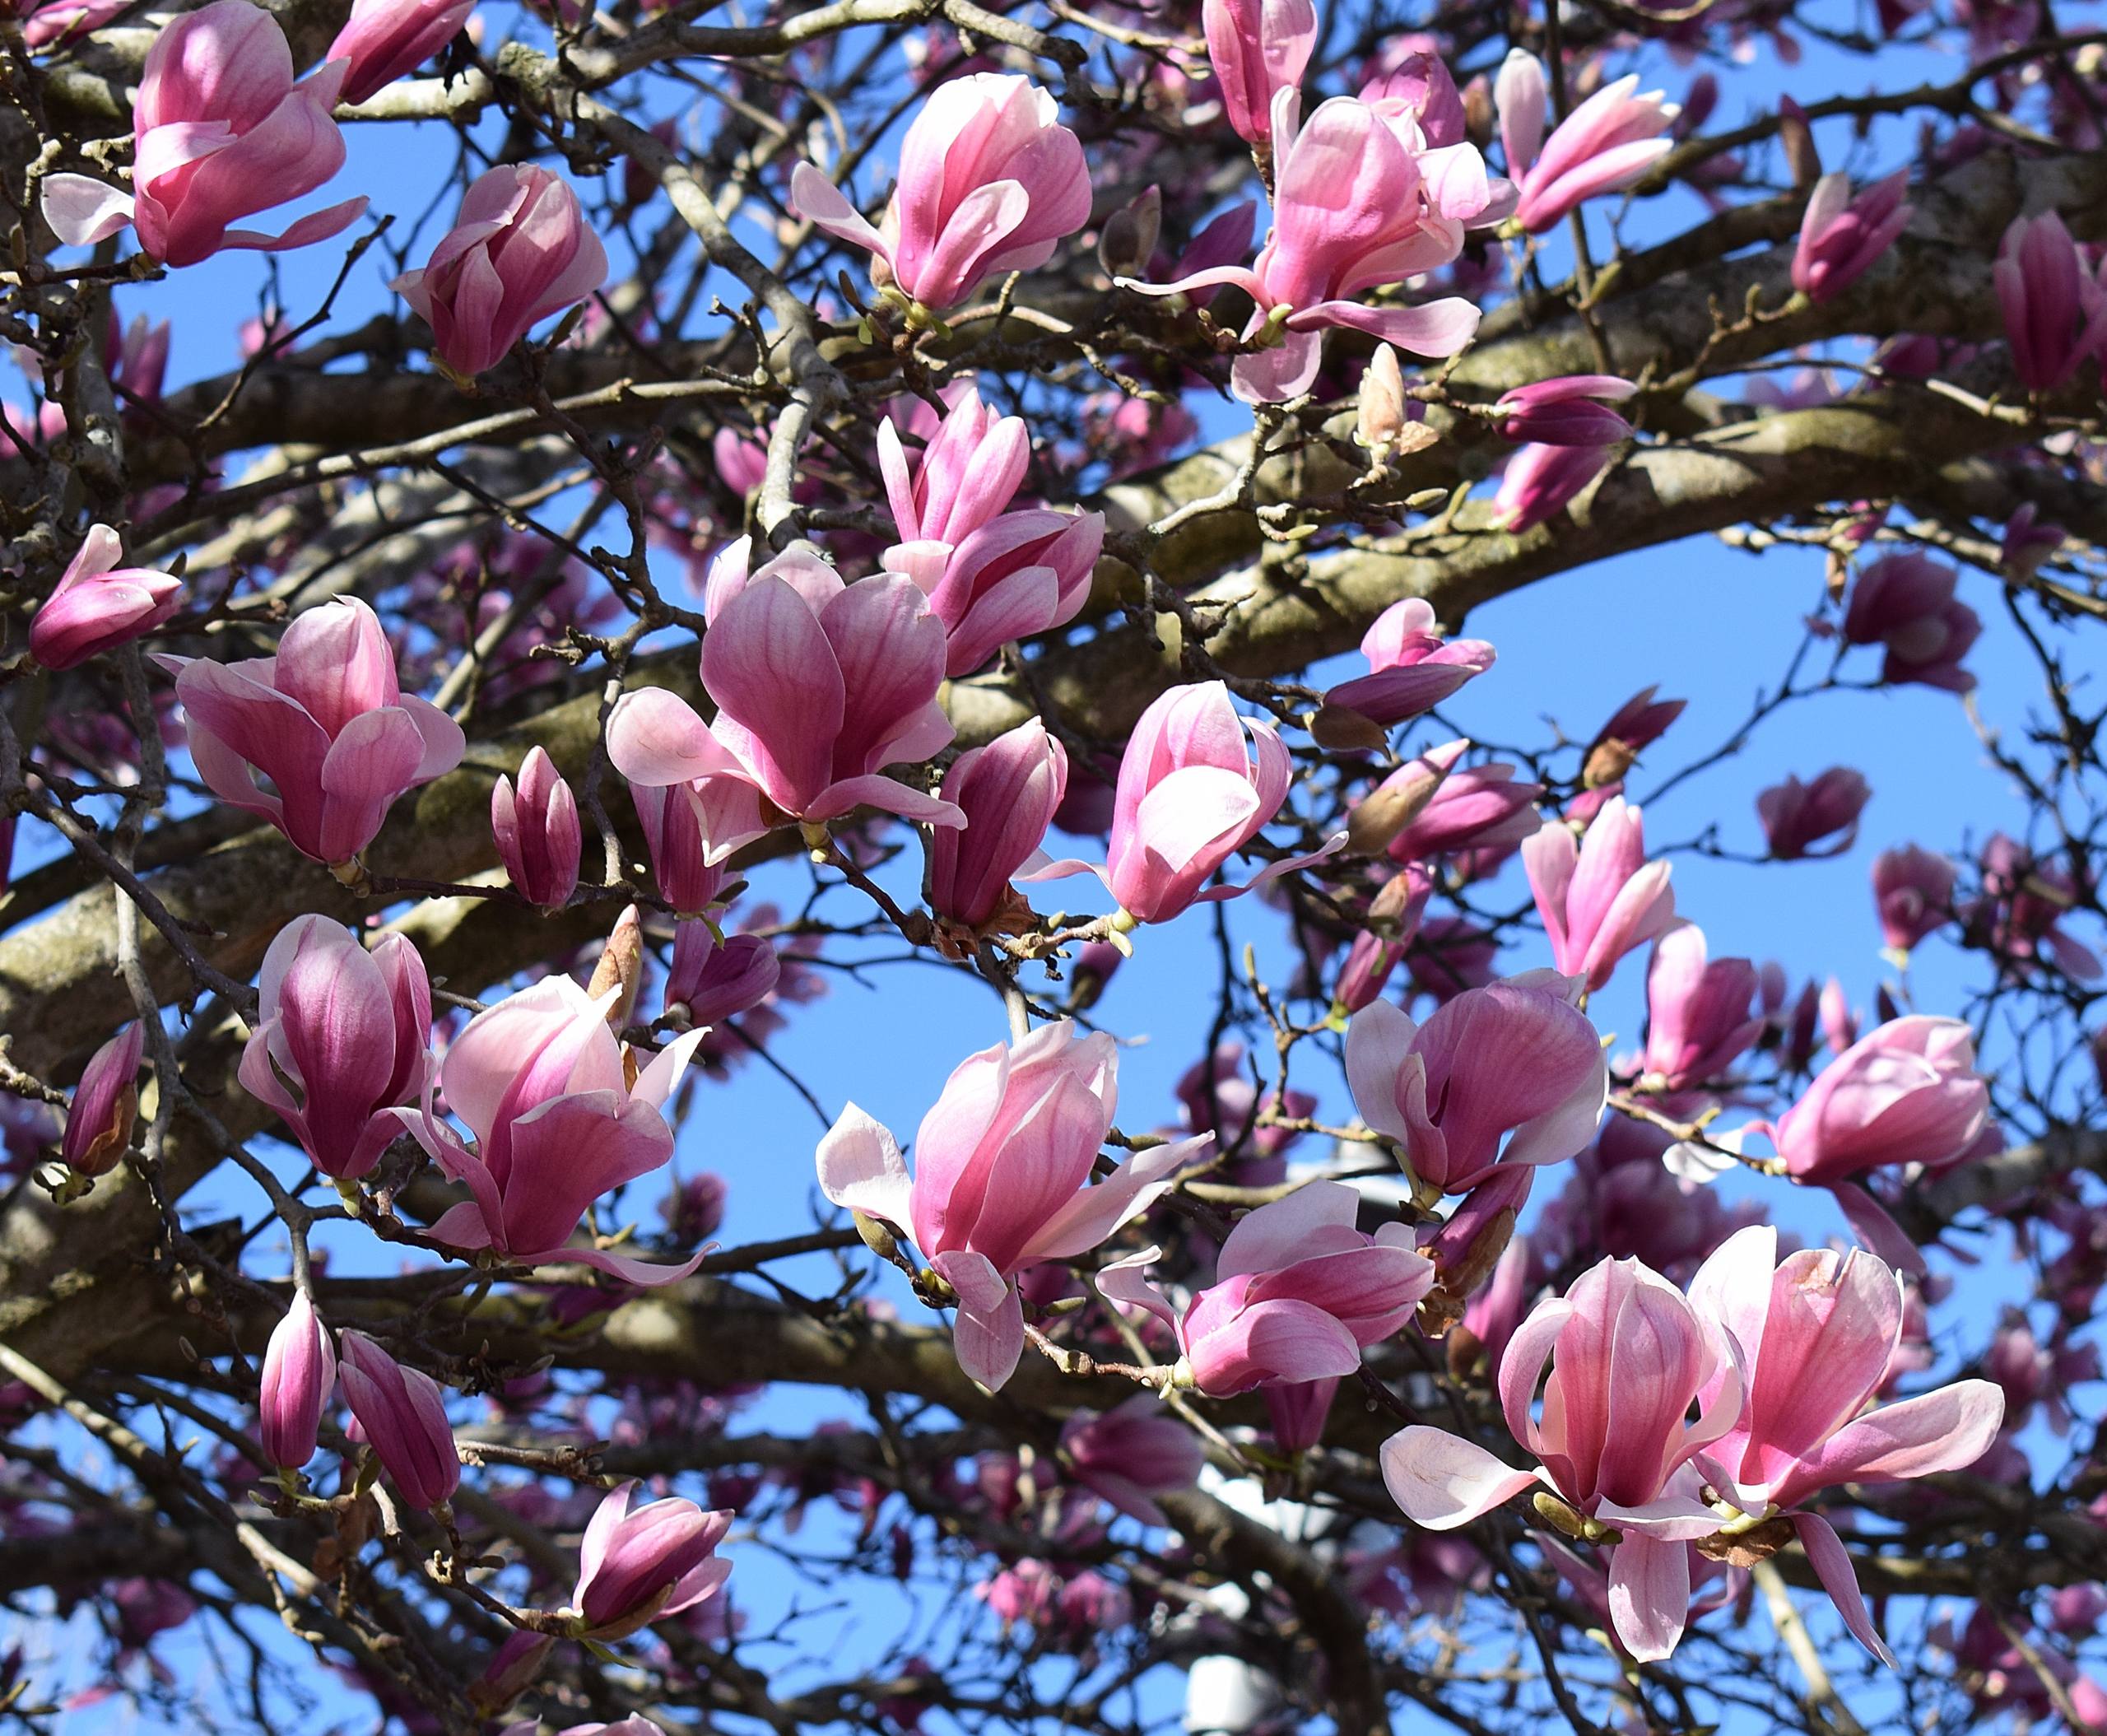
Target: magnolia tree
pixel 918 493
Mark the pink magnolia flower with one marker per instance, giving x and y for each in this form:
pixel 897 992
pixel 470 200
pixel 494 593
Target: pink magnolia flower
pixel 819 685
pixel 1414 669
pixel 2055 307
pixel 1299 1292
pixel 1188 797
pixel 384 38
pixel 1817 1333
pixel 1257 47
pixel 1600 898
pixel 1521 94
pixel 325 721
pixel 1001 1161
pixel 1906 1092
pixel 537 830
pixel 1018 574
pixel 402 1414
pixel 1842 238
pixel 221 131
pixel 1571 411
pixel 300 1372
pixel 1630 730
pixel 1539 482
pixel 1008 791
pixel 519 251
pixel 543 1085
pixel 1629 1356
pixel 1796 816
pixel 2029 542
pixel 715 982
pixel 99 605
pixel 1417 86
pixel 636 1565
pixel 1698 1017
pixel 1905 601
pixel 1913 889
pixel 340 1041
pixel 969 472
pixel 1131 1454
pixel 1603 145
pixel 1355 207
pixel 990 181
pixel 1513 1062
pixel 99 1120
pixel 1471 808
pixel 2020 913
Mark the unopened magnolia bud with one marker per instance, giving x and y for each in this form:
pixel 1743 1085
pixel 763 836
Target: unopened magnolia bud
pixel 877 1236
pixel 1382 408
pixel 106 1105
pixel 1801 157
pixel 1559 1514
pixel 1096 966
pixel 1387 810
pixel 621 964
pixel 1127 241
pixel 1344 730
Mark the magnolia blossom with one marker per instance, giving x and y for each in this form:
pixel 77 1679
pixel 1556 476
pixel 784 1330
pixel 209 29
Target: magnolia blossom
pixel 1913 888
pixel 965 476
pixel 990 181
pixel 1355 206
pixel 1818 1334
pixel 105 1105
pixel 1600 898
pixel 1413 668
pixel 98 605
pixel 1907 1092
pixel 1630 1358
pixel 221 131
pixel 1541 481
pixel 1842 238
pixel 1299 1290
pixel 299 1373
pixel 1509 1074
pixel 558 1120
pixel 1001 1162
pixel 1603 145
pixel 1571 411
pixel 537 832
pixel 340 1041
pixel 325 721
pixel 1796 816
pixel 819 685
pixel 2055 305
pixel 1019 574
pixel 1258 49
pixel 402 1413
pixel 384 38
pixel 639 1564
pixel 1008 792
pixel 1698 1018
pixel 1906 602
pixel 519 251
pixel 1131 1454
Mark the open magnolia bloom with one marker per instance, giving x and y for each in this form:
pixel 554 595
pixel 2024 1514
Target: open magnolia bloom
pixel 543 1085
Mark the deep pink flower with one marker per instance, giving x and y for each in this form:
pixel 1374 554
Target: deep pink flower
pixel 990 181
pixel 1471 808
pixel 638 1565
pixel 1414 669
pixel 1905 601
pixel 1355 207
pixel 967 473
pixel 1018 574
pixel 221 131
pixel 1008 791
pixel 1817 1333
pixel 1540 480
pixel 543 1085
pixel 300 1372
pixel 1913 889
pixel 1629 1358
pixel 1842 238
pixel 1907 1092
pixel 325 721
pixel 819 685
pixel 1698 1018
pixel 2029 542
pixel 519 251
pixel 2020 915
pixel 1603 145
pixel 1572 410
pixel 1514 1063
pixel 401 1413
pixel 1600 898
pixel 537 830
pixel 1299 1290
pixel 1131 1454
pixel 99 605
pixel 1188 796
pixel 1001 1161
pixel 384 38
pixel 1257 47
pixel 2054 305
pixel 718 982
pixel 1417 86
pixel 341 1039
pixel 99 1120
pixel 1520 95
pixel 1796 817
